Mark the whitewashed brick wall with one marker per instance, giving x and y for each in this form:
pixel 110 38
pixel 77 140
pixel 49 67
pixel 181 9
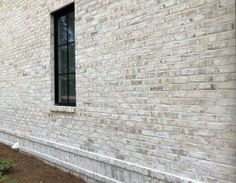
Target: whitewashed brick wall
pixel 156 88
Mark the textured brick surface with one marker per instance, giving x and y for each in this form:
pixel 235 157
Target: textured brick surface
pixel 156 82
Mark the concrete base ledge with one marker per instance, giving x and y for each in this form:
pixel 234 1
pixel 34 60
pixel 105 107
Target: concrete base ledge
pixel 92 165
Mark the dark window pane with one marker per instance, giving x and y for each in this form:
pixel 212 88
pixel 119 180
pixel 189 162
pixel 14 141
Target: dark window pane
pixel 71 57
pixel 63 90
pixel 62 59
pixel 72 97
pixel 71 27
pixel 62 28
pixel 65 57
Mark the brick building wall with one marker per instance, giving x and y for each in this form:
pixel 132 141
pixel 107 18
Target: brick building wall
pixel 155 85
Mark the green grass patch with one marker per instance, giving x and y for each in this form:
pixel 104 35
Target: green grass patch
pixel 5 167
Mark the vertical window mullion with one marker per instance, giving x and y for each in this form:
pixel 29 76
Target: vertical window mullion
pixel 67 55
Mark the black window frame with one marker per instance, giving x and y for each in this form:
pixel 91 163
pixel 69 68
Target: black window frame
pixel 62 12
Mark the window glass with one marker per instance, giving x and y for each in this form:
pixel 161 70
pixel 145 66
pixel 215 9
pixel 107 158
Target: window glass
pixel 65 57
pixel 71 57
pixel 63 89
pixel 71 27
pixel 62 59
pixel 62 30
pixel 72 88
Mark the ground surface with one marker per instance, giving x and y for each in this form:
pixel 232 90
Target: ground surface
pixel 28 169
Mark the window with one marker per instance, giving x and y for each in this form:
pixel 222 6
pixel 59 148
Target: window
pixel 64 57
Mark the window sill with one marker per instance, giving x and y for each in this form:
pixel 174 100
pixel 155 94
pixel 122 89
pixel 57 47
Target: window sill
pixel 63 109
